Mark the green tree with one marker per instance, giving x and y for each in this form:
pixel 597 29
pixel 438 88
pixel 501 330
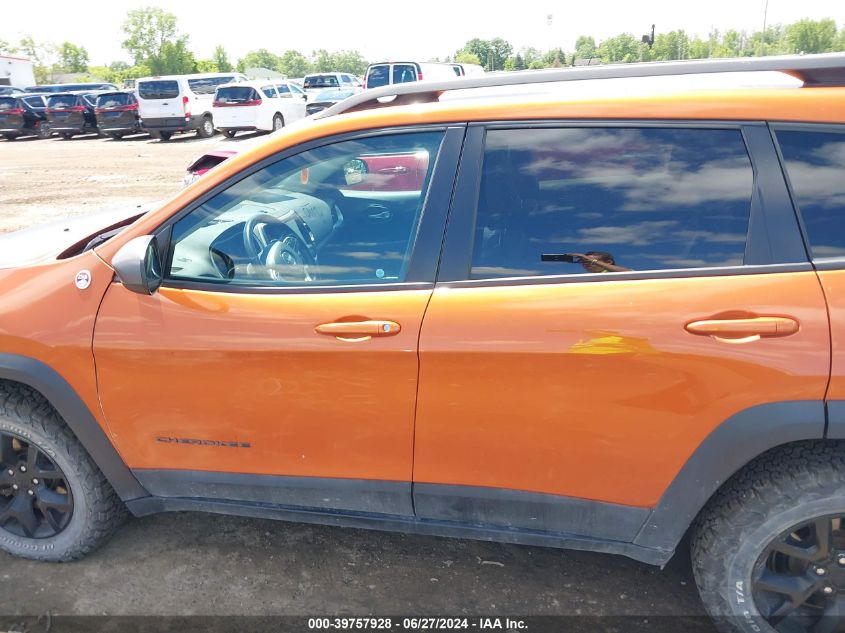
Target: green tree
pixel 6 48
pixel 500 50
pixel 671 45
pixel 174 59
pixel 478 47
pixel 262 58
pixel 622 48
pixel 72 58
pixel 323 61
pixel 221 60
pixel 349 62
pixel 294 64
pixel 207 66
pixel 147 30
pixel 42 56
pixel 585 47
pixel 467 58
pixel 811 36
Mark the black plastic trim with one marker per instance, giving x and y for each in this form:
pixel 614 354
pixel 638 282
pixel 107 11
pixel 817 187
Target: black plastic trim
pixel 315 493
pixel 303 290
pixel 738 440
pixel 77 416
pixel 517 509
pixel 835 419
pixel 436 204
pixel 152 505
pixel 677 273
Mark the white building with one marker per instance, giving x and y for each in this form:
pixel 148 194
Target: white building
pixel 16 71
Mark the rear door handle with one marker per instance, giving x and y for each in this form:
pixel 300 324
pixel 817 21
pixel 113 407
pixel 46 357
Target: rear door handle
pixel 744 330
pixel 355 331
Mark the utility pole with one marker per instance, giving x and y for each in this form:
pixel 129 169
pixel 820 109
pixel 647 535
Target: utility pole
pixel 763 34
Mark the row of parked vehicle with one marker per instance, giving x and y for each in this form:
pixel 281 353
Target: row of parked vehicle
pixel 205 103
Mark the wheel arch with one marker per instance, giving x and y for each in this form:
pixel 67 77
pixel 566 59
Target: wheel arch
pixel 736 442
pixel 44 380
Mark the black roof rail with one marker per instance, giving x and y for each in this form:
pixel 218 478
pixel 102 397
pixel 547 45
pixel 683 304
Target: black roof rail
pixel 824 70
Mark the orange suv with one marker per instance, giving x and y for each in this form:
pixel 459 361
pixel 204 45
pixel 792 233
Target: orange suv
pixel 594 322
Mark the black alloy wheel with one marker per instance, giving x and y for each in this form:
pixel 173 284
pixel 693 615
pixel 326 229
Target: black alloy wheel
pixel 35 498
pixel 799 579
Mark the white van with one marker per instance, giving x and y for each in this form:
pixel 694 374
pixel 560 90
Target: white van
pixel 467 70
pixel 387 73
pixel 178 103
pixel 266 105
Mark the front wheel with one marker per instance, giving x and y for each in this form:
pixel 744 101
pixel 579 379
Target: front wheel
pixel 55 504
pixel 206 128
pixel 768 552
pixel 44 131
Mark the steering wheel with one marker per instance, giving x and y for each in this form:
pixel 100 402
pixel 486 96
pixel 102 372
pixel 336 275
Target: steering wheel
pixel 284 259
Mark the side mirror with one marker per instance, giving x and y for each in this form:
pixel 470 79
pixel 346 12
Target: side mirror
pixel 137 265
pixel 354 171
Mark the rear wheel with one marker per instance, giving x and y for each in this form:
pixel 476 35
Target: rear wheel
pixel 769 551
pixel 44 131
pixel 116 135
pixel 206 128
pixel 278 122
pixel 9 137
pixel 67 136
pixel 55 504
pixel 161 136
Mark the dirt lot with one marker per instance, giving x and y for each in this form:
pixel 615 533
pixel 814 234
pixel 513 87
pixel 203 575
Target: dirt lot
pixel 198 564
pixel 45 180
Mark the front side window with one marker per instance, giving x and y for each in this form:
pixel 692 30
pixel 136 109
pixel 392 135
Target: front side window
pixel 815 164
pixel 345 213
pixel 605 200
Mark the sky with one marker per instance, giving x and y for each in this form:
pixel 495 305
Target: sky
pixel 382 30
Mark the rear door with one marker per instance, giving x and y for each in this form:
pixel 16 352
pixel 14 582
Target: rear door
pixel 161 99
pixel 66 112
pixel 814 157
pixel 293 106
pixel 620 292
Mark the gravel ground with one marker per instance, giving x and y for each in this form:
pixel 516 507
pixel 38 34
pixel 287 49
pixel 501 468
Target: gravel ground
pixel 209 565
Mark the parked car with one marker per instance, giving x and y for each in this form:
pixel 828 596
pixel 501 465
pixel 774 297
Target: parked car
pixel 204 163
pixel 71 113
pixel 463 70
pixel 630 333
pixel 23 115
pixel 319 82
pixel 327 98
pixel 11 91
pixel 56 88
pixel 388 73
pixel 117 114
pixel 180 103
pixel 257 105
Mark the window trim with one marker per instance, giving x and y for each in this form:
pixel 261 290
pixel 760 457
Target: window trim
pixel 771 217
pixel 425 245
pixel 821 263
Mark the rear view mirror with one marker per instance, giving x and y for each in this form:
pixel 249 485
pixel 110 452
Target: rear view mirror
pixel 137 265
pixel 354 171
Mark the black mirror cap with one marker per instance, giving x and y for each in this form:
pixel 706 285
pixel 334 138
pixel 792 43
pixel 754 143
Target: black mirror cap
pixel 137 265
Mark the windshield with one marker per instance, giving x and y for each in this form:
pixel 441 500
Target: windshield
pixel 321 81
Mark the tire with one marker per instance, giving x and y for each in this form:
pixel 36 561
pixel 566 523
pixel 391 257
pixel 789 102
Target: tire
pixel 67 136
pixel 278 122
pixel 44 131
pixel 764 531
pixel 206 128
pixel 116 135
pixel 9 137
pixel 229 133
pixel 96 511
pixel 161 136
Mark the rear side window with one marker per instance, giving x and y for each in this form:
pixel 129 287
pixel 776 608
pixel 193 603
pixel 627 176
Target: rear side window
pixel 207 85
pixel 7 103
pixel 592 200
pixel 35 102
pixel 815 165
pixel 269 92
pixel 236 94
pixel 378 76
pixel 284 91
pixel 404 73
pixel 61 101
pixel 161 89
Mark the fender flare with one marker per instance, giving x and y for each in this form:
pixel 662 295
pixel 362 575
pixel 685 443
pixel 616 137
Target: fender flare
pixel 77 416
pixel 737 441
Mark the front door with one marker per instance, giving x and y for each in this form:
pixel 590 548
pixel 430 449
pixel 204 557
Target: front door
pixel 617 298
pixel 278 362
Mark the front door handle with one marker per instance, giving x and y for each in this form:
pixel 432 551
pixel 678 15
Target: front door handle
pixel 744 330
pixel 355 331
